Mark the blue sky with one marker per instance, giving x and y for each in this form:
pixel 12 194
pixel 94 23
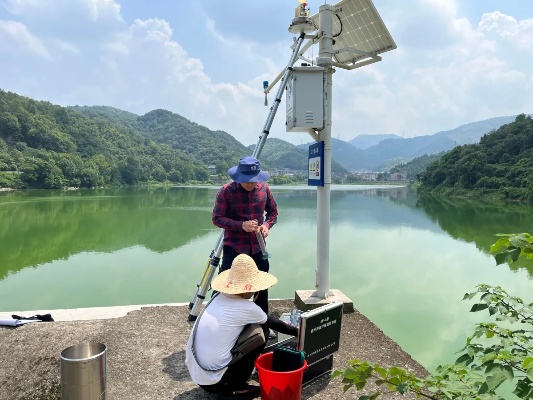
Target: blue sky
pixel 456 62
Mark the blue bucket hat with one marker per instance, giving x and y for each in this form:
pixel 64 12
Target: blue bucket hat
pixel 248 170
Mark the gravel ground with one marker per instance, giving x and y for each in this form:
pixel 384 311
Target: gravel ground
pixel 146 353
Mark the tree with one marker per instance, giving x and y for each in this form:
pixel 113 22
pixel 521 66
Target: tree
pixel 201 174
pixel 159 174
pixel 131 170
pixel 71 166
pixel 90 176
pixel 9 126
pixel 5 158
pixel 175 176
pixel 493 354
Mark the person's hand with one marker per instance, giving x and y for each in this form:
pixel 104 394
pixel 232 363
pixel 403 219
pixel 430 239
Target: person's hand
pixel 264 230
pixel 250 226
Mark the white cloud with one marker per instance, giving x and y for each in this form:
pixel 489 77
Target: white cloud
pixel 15 36
pixel 73 21
pixel 104 9
pixel 65 46
pixel 52 9
pixel 520 33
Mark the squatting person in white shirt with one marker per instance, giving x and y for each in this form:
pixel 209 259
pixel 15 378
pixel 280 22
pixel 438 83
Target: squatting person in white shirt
pixel 209 347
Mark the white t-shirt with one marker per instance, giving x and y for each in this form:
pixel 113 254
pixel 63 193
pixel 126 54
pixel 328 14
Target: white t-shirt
pixel 219 327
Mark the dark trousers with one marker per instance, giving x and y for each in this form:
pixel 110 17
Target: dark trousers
pixel 229 254
pixel 237 374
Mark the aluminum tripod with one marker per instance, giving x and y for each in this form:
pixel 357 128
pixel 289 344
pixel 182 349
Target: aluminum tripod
pixel 214 259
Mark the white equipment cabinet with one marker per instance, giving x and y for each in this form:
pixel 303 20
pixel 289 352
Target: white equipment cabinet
pixel 305 99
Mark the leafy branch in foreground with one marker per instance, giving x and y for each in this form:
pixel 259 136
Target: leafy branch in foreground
pixel 515 245
pixel 493 354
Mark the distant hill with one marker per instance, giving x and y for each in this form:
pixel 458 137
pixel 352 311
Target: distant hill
pixel 47 146
pixel 117 116
pixel 383 152
pixel 409 148
pixel 390 150
pixel 472 132
pixel 182 148
pixel 417 166
pixel 348 156
pixel 210 147
pixel 363 153
pixel 282 154
pixel 363 142
pixel 432 144
pixel 499 166
pixel 388 165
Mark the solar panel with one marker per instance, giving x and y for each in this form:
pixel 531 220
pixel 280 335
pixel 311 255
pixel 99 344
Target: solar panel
pixel 359 32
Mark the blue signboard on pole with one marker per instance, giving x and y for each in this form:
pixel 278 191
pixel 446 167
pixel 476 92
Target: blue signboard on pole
pixel 316 164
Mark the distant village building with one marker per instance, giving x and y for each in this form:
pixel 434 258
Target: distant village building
pixel 369 176
pixel 397 176
pixel 281 172
pixel 212 169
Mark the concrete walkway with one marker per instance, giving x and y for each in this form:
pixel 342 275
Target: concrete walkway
pixel 146 352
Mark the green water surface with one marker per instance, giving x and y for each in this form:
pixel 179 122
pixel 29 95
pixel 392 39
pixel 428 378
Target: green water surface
pixel 405 261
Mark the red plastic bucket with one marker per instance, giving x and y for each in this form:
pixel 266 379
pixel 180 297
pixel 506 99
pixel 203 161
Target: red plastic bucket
pixel 278 385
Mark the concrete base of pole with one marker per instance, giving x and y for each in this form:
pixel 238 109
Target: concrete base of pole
pixel 304 300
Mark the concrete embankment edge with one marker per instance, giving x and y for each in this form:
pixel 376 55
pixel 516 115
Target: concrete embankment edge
pixel 85 313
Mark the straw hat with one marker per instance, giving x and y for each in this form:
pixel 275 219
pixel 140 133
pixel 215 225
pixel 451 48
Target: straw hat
pixel 243 277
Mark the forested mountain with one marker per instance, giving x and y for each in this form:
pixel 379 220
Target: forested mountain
pixel 388 148
pixel 286 155
pixel 392 150
pixel 472 132
pixel 348 156
pixel 210 147
pixel 119 118
pixel 416 166
pixel 501 165
pixel 388 165
pixel 47 146
pixel 409 148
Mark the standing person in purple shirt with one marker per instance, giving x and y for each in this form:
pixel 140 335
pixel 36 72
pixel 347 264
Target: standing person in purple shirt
pixel 242 208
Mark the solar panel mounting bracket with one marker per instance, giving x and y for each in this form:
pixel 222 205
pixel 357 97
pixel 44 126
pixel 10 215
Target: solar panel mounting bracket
pixel 370 58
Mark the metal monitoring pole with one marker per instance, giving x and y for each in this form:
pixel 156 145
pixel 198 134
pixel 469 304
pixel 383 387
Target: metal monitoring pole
pixel 325 60
pixel 360 36
pixel 214 259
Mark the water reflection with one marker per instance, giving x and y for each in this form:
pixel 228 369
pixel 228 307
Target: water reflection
pixel 478 222
pixel 42 226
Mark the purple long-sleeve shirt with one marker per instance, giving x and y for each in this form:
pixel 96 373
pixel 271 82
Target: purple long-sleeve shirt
pixel 234 205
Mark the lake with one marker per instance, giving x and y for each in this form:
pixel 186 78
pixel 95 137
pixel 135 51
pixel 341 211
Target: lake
pixel 406 261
